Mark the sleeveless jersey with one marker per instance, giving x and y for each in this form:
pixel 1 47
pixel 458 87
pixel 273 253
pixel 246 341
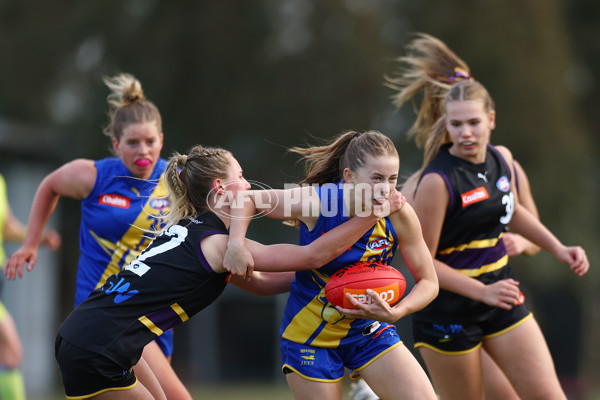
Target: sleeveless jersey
pixel 481 204
pixel 166 285
pixel 308 317
pixel 111 217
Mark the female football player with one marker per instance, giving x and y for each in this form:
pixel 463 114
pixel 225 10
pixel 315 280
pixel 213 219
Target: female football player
pixel 176 276
pixel 318 340
pixel 464 196
pixel 120 198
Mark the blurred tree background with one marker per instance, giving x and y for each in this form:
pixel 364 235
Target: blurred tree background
pixel 258 76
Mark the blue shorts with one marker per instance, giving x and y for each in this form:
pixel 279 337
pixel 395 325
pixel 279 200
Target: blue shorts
pixel 323 364
pixel 165 342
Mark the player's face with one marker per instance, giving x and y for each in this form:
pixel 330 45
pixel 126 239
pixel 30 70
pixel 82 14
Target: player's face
pixel 379 175
pixel 235 180
pixel 470 127
pixel 139 148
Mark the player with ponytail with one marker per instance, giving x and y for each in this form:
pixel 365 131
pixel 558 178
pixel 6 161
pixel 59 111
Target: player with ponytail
pixel 176 276
pixel 121 197
pixel 318 340
pixel 464 195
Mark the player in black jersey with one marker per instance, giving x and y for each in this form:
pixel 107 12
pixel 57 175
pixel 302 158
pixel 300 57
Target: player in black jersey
pixel 177 275
pixel 465 198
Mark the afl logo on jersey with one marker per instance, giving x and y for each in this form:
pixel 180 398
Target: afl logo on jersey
pixel 503 184
pixel 160 203
pixel 379 244
pixel 114 200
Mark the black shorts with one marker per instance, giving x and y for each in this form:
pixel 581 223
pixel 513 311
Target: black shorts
pixel 87 374
pixel 458 337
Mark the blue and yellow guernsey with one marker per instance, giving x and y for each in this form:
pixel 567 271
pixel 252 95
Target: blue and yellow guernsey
pixel 480 205
pixel 308 317
pixel 111 217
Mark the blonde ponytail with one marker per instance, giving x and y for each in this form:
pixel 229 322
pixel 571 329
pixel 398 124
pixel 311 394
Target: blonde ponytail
pixel 189 180
pixel 128 105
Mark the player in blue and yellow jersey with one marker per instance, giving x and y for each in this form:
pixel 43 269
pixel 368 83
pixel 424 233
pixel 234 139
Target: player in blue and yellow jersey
pixel 177 275
pixel 121 198
pixel 319 341
pixel 464 197
pixel 11 350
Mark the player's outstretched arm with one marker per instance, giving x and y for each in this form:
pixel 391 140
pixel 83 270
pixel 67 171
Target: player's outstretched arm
pixel 265 283
pixel 300 203
pixel 527 225
pixel 286 257
pixel 74 179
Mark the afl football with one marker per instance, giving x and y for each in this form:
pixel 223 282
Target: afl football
pixel 356 278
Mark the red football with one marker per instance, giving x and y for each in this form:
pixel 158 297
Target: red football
pixel 357 278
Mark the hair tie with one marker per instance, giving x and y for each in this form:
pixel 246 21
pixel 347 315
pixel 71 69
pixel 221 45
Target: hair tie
pixel 357 134
pixel 183 160
pixel 460 74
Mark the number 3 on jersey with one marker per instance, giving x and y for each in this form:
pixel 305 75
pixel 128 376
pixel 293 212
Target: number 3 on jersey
pixel 178 234
pixel 509 203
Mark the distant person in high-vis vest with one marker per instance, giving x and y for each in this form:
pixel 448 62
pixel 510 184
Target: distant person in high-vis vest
pixel 11 350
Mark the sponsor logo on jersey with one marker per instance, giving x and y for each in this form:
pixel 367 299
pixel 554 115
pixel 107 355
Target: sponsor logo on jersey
pixel 503 184
pixel 474 196
pixel 159 203
pixel 114 200
pixel 378 244
pixel 120 288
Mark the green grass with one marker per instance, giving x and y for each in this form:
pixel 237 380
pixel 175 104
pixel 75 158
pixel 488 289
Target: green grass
pixel 221 392
pixel 232 391
pixel 224 391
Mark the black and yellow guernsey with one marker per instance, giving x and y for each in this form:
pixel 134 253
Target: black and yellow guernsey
pixel 169 282
pixel 481 205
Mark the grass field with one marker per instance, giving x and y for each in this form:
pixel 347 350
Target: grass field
pixel 225 391
pixel 228 391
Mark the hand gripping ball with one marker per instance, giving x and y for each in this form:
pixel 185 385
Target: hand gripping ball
pixel 357 278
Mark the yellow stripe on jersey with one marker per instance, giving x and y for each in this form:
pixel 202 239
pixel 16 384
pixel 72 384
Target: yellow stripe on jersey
pixel 134 236
pixel 309 319
pixel 180 311
pixel 475 244
pixel 485 268
pixel 109 247
pixel 150 325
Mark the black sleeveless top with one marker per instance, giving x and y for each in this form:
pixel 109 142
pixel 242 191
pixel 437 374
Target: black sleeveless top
pixel 480 206
pixel 169 282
